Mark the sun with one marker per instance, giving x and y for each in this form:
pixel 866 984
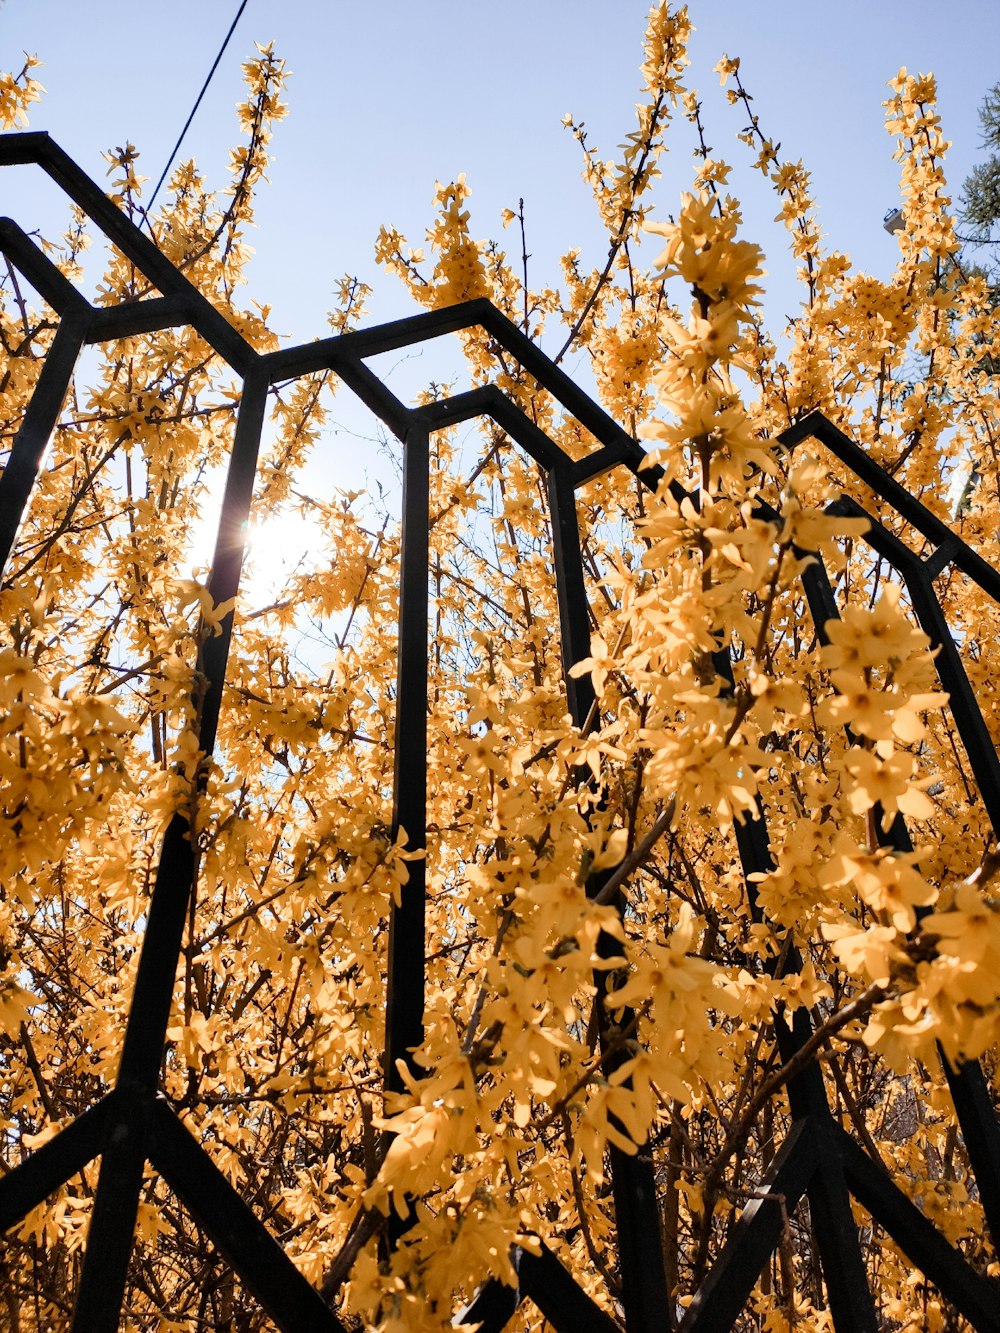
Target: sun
pixel 278 546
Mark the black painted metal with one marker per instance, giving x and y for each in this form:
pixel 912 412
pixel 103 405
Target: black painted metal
pixel 237 1234
pixel 972 1295
pixel 977 1117
pixel 640 1255
pixel 39 421
pixel 721 1297
pixel 133 1124
pixel 542 1279
pixel 405 998
pixel 55 1162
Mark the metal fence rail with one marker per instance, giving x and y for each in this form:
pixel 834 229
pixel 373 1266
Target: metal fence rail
pixel 134 1123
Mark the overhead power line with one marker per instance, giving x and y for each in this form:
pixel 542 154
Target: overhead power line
pixel 197 104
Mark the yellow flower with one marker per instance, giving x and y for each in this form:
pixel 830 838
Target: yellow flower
pixel 888 781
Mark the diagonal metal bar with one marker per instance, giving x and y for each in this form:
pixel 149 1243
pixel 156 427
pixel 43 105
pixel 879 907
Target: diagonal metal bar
pixel 31 261
pixel 951 671
pixel 493 1306
pixel 965 710
pixel 51 1165
pixel 543 1279
pixel 373 393
pixel 823 609
pixel 975 1297
pixel 556 1293
pixel 818 427
pixel 722 1296
pixel 240 1238
pixel 589 414
pixel 617 445
pixel 489 401
pixel 39 422
pixel 34 146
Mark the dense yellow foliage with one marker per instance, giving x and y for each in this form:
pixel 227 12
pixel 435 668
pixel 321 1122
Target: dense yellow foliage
pixel 275 1044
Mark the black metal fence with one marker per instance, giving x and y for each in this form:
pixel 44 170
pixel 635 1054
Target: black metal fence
pixel 134 1123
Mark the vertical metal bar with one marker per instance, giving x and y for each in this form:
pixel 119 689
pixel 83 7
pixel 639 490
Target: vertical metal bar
pixel 405 983
pixel 843 1266
pixel 112 1224
pixel 230 546
pixel 644 1285
pixel 39 422
pixel 149 1013
pixel 150 1010
pixel 823 608
pixel 818 591
pixel 112 1221
pixel 640 1253
pixel 571 591
pixel 836 1231
pixel 806 1092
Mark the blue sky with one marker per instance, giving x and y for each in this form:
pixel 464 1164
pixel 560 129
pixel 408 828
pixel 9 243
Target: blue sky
pixel 386 98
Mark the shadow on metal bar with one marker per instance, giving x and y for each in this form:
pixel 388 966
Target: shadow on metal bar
pixel 133 1124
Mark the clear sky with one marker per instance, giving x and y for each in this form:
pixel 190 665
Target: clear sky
pixel 387 97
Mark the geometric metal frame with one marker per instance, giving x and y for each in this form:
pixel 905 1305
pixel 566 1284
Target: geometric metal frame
pixel 134 1123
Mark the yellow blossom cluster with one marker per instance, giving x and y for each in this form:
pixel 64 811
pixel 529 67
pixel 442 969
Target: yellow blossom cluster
pixel 619 914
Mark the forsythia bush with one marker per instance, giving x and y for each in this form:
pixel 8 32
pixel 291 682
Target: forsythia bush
pixel 277 1036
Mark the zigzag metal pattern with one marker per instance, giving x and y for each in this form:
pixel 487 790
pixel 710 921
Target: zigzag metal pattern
pixel 134 1123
